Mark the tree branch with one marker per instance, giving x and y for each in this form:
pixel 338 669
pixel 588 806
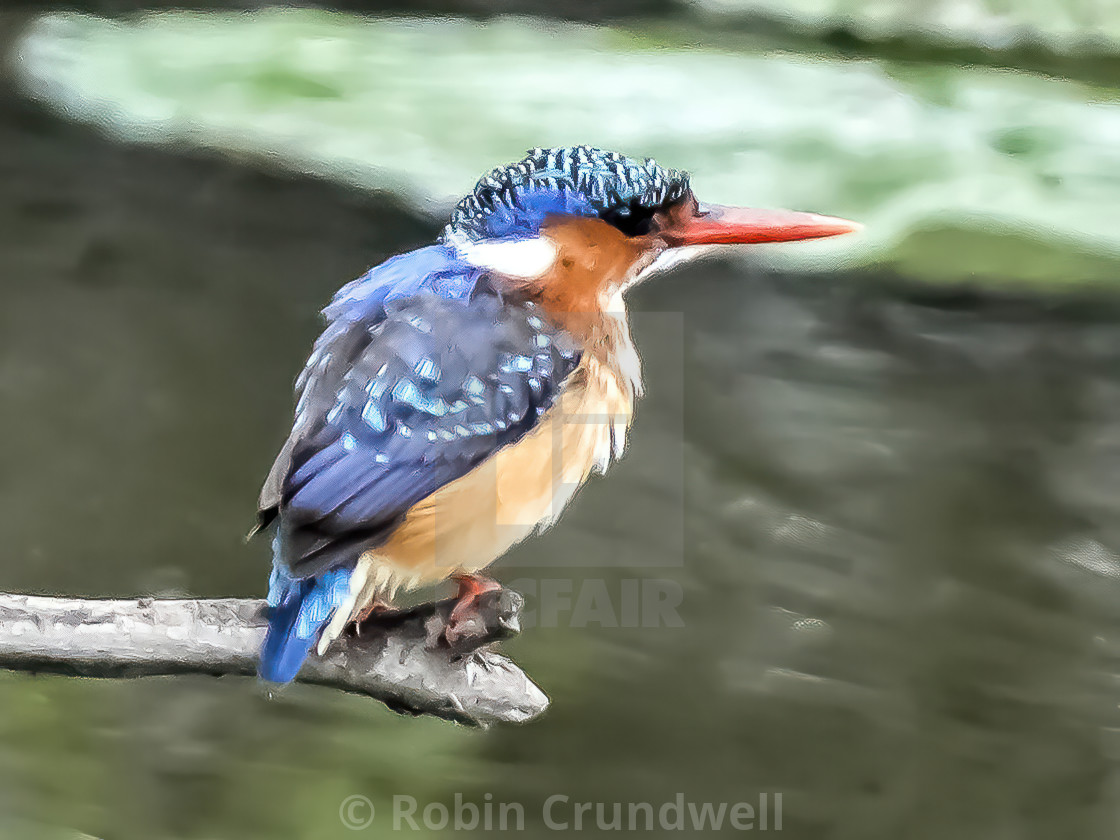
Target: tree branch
pixel 399 658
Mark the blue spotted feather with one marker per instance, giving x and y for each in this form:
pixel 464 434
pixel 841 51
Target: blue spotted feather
pixel 423 371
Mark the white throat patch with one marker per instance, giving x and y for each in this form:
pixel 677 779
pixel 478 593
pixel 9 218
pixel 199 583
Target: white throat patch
pixel 667 259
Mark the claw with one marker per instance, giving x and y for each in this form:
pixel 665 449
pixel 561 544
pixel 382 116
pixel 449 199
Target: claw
pixel 470 588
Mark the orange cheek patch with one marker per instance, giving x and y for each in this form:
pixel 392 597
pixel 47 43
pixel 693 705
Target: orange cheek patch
pixel 592 260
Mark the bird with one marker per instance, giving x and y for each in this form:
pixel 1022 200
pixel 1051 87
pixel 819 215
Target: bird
pixel 461 393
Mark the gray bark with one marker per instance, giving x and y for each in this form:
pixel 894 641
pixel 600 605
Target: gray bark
pixel 399 658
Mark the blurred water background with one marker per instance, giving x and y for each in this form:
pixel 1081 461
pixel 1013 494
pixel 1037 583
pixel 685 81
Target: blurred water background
pixel 884 474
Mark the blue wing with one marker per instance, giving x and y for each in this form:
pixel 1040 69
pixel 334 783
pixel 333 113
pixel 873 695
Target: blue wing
pixel 403 394
pixel 428 393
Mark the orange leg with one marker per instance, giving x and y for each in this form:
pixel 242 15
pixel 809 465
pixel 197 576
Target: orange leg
pixel 470 587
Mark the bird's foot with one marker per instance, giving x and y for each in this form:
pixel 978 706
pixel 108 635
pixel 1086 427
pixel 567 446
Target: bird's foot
pixel 465 612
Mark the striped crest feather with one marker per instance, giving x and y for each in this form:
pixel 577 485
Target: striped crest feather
pixel 622 190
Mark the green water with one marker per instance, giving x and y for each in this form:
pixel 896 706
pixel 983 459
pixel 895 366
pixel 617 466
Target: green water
pixel 890 507
pixel 959 172
pixel 1068 27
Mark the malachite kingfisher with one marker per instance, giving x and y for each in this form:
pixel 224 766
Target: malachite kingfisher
pixel 461 393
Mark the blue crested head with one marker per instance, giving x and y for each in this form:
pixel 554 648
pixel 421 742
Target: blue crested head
pixel 513 200
pixel 524 219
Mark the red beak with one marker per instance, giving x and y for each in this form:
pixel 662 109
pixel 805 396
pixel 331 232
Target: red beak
pixel 714 224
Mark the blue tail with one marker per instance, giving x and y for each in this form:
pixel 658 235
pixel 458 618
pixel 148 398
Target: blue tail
pixel 301 608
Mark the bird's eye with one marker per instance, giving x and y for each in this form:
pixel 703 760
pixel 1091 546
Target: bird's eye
pixel 632 219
